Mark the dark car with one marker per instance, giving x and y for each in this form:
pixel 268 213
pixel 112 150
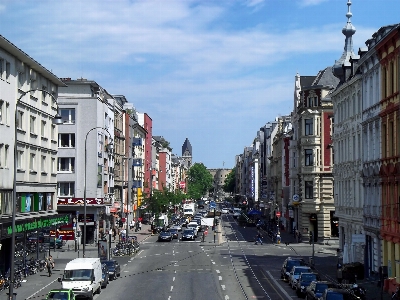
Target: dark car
pixel 304 281
pixel 165 236
pixel 337 294
pixel 105 277
pixel 114 269
pixel 188 234
pixel 174 232
pixel 316 288
pixel 61 294
pixel 288 264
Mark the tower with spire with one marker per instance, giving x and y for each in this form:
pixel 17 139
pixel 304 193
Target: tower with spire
pixel 341 66
pixel 187 153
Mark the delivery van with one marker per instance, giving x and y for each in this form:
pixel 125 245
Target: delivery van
pixel 83 276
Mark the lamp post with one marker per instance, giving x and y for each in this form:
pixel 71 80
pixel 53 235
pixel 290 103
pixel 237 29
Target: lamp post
pixel 109 148
pixel 56 120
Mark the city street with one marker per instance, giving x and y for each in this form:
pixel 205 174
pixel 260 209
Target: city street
pixel 232 268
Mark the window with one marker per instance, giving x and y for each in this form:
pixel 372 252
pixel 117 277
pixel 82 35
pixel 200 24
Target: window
pixel 32 124
pixel 2 108
pixel 99 175
pixel 68 115
pixel 1 155
pixel 20 117
pixel 43 129
pixel 308 126
pixel 7 114
pixel 309 159
pixel 21 79
pixel 66 140
pixel 66 164
pixel 53 166
pixel 8 70
pixel 43 166
pixel 44 94
pixel 294 159
pixel 6 154
pixel 53 131
pixel 308 189
pixel 20 159
pixel 315 101
pixel 66 189
pixel 32 162
pixel 1 67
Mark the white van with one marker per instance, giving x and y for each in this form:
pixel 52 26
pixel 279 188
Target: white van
pixel 83 276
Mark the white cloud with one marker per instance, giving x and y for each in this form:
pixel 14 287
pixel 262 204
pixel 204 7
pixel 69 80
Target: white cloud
pixel 311 2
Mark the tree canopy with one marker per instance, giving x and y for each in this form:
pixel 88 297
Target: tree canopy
pixel 230 182
pixel 161 200
pixel 199 181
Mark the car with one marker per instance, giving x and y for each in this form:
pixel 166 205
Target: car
pixel 174 232
pixel 337 294
pixel 105 276
pixel 288 264
pixel 295 273
pixel 316 288
pixel 61 294
pixel 177 227
pixel 304 281
pixel 57 243
pixel 165 236
pixel 194 226
pixel 114 269
pixel 225 210
pixel 188 234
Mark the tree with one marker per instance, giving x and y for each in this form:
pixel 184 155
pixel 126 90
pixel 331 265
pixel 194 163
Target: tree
pixel 230 182
pixel 200 181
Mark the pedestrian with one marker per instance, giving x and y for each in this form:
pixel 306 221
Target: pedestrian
pixel 50 265
pixel 258 239
pixel 278 238
pixel 132 225
pixel 140 225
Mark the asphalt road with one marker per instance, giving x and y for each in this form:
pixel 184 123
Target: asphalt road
pixel 232 268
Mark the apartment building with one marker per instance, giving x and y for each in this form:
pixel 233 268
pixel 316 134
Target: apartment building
pixel 85 165
pixel 28 105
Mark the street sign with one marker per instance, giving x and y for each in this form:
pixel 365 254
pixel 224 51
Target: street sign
pixel 278 214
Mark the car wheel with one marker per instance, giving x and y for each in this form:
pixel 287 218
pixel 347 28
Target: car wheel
pixel 99 290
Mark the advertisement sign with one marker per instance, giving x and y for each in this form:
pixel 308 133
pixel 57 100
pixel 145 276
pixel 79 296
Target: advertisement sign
pixel 182 184
pixel 102 250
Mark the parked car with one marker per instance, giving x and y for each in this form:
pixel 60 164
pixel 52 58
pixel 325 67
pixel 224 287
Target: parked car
pixel 316 288
pixel 304 281
pixel 295 273
pixel 288 264
pixel 188 234
pixel 114 269
pixel 334 294
pixel 61 294
pixel 165 236
pixel 105 277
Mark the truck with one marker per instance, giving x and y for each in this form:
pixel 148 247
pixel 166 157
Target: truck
pixel 188 209
pixel 83 276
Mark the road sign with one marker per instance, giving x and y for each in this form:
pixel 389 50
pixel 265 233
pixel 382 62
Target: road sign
pixel 278 214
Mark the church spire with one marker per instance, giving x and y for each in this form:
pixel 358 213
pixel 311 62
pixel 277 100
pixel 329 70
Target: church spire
pixel 348 52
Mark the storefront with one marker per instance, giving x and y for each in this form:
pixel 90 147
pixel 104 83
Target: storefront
pixel 32 235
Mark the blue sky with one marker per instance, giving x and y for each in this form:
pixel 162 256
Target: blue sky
pixel 210 71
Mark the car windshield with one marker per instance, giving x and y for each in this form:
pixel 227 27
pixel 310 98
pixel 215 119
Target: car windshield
pixel 58 295
pixel 78 275
pixel 188 232
pixel 173 230
pixel 308 277
pixel 109 264
pixel 337 296
pixel 165 233
pixel 291 263
pixel 298 271
pixel 320 288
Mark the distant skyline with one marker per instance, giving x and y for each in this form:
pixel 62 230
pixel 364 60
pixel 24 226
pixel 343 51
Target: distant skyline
pixel 210 71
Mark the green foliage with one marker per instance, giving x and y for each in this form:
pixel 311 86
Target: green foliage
pixel 230 182
pixel 199 181
pixel 162 200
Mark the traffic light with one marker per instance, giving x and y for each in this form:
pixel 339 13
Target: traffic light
pixel 216 222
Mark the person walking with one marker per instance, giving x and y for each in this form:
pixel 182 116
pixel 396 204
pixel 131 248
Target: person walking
pixel 50 265
pixel 278 238
pixel 258 239
pixel 140 225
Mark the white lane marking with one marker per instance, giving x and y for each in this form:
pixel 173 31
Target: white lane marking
pixel 218 271
pixel 126 271
pixel 172 287
pixel 157 254
pixel 125 265
pixel 278 285
pixel 223 287
pixel 213 262
pixel 219 277
pixel 42 289
pixel 226 297
pixel 173 278
pixel 169 298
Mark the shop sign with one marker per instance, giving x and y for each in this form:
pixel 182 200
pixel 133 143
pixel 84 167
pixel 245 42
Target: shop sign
pixel 38 224
pixel 80 201
pixel 89 218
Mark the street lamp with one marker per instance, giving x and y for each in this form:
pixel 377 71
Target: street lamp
pixel 56 120
pixel 109 148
